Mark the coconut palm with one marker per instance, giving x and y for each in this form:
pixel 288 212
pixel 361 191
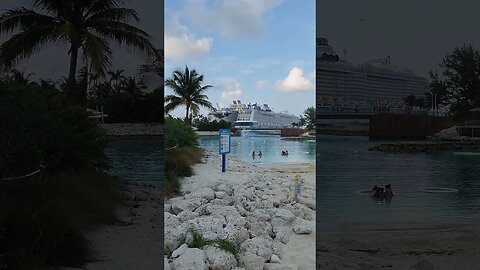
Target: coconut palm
pixel 116 76
pixel 187 91
pixel 87 26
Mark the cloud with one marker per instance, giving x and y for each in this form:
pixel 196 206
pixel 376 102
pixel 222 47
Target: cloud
pixel 262 84
pixel 295 82
pixel 312 76
pixel 186 47
pixel 231 90
pixel 180 44
pixel 239 18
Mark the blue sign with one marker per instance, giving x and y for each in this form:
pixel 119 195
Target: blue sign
pixel 224 141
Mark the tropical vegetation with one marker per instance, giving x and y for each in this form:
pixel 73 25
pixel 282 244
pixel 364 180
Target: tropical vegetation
pixel 181 153
pixel 188 91
pixel 87 27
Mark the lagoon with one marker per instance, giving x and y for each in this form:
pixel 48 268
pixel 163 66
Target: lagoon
pixel 271 147
pixel 137 160
pixel 345 168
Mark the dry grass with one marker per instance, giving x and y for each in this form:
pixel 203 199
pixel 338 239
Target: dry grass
pixel 178 164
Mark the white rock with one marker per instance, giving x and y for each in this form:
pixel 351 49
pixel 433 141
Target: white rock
pixel 301 226
pixel 202 193
pixel 211 228
pixel 251 261
pixel 167 207
pixel 187 215
pixel 276 266
pixel 179 251
pixel 220 194
pixel 182 205
pixel 282 233
pixel 260 246
pixel 173 237
pixel 275 259
pixel 260 228
pixel 285 215
pixel 170 220
pixel 191 259
pixel 220 259
pixel 166 265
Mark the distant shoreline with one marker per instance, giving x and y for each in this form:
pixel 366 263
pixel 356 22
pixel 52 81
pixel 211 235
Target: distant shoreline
pixel 134 130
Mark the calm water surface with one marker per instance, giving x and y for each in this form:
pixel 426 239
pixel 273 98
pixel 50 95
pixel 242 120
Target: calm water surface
pixel 345 167
pixel 137 160
pixel 271 147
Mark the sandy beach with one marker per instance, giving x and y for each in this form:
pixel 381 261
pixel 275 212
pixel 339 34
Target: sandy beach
pixel 251 204
pixel 135 242
pixel 419 249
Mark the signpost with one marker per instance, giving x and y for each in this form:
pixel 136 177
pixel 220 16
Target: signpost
pixel 224 145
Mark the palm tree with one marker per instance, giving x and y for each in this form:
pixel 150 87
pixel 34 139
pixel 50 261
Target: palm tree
pixel 86 25
pixel 187 91
pixel 116 76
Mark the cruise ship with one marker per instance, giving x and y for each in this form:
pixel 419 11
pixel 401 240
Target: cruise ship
pixel 373 87
pixel 253 116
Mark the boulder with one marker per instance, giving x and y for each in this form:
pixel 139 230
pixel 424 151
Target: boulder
pixel 191 259
pixel 173 237
pixel 282 233
pixel 179 251
pixel 423 265
pixel 260 246
pixel 275 259
pixel 284 214
pixel 301 226
pixel 202 193
pixel 211 228
pixel 276 266
pixel 187 215
pixel 166 265
pixel 251 261
pixel 220 259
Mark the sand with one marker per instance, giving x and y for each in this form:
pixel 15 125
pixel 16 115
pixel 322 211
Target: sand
pixel 421 249
pixel 136 241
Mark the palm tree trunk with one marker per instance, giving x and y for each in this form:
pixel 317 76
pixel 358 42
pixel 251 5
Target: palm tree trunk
pixel 186 116
pixel 72 95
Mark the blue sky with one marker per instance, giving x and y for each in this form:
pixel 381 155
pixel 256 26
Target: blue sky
pixel 250 50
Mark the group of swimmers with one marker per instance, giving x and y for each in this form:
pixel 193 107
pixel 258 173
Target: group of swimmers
pixel 380 192
pixel 260 154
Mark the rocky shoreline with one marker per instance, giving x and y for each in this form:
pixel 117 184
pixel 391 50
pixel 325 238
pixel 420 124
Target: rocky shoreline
pixel 251 206
pixel 343 130
pixel 445 140
pixel 133 130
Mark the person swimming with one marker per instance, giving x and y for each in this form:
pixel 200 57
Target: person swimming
pixel 253 154
pixel 388 191
pixel 260 154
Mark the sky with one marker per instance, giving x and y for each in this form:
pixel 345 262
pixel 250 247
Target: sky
pixel 250 50
pixel 52 61
pixel 415 34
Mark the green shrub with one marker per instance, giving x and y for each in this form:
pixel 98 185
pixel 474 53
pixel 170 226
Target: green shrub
pixel 204 124
pixel 38 129
pixel 177 133
pixel 198 241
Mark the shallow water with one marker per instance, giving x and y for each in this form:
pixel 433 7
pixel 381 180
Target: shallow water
pixel 345 168
pixel 139 160
pixel 271 147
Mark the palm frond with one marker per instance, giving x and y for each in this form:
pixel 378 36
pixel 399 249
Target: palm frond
pixel 23 18
pixel 98 51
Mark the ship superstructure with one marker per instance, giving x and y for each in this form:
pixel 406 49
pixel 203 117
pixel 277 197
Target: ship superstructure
pixel 254 116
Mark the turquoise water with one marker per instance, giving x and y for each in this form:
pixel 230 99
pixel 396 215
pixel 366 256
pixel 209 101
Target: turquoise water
pixel 345 167
pixel 271 147
pixel 137 160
